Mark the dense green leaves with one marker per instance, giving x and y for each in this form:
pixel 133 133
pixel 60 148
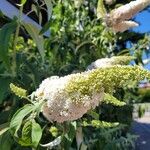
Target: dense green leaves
pixel 77 39
pixel 31 131
pixel 4 89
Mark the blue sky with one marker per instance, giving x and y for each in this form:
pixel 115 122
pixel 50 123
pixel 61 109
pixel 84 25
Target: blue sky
pixel 143 19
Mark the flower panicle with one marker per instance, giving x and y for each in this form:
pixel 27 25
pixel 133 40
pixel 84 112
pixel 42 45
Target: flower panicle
pixel 20 92
pixel 107 78
pixel 122 60
pixel 129 10
pixel 119 18
pixel 76 94
pixel 109 62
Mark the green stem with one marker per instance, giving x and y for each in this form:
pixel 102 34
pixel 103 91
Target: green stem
pixel 28 100
pixel 15 41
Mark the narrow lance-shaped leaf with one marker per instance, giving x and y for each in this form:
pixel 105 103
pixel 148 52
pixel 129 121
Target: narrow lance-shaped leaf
pixel 38 39
pixel 49 7
pixel 23 2
pixel 3 130
pixel 45 27
pixel 54 143
pixel 5 34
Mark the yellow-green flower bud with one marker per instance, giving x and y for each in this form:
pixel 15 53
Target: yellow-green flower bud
pixel 20 92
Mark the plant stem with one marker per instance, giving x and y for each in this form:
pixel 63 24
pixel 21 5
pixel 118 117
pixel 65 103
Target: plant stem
pixel 15 41
pixel 79 137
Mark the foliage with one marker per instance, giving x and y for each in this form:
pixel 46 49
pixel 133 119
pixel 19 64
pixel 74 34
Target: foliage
pixel 77 39
pixel 31 131
pixel 5 33
pixel 145 94
pixel 122 114
pixel 109 139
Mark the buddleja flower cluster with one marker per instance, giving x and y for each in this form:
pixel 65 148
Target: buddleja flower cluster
pixel 107 62
pixel 62 105
pixel 70 97
pixel 118 19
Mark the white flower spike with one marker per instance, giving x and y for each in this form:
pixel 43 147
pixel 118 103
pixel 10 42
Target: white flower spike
pixel 60 107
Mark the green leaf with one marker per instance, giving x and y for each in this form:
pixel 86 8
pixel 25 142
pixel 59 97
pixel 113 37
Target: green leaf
pixel 23 2
pixel 3 131
pixel 4 125
pixel 5 34
pixel 4 88
pixel 18 117
pixel 38 39
pixel 71 131
pixel 45 27
pixel 26 140
pixel 49 6
pixel 36 133
pixel 52 144
pixel 31 134
pixel 6 141
pixel 69 135
pixel 34 9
